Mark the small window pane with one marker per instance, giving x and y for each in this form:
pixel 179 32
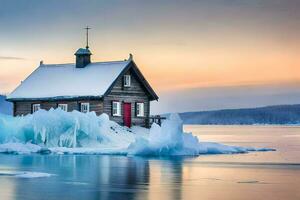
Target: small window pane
pixel 63 107
pixel 140 109
pixel 127 80
pixel 36 107
pixel 85 107
pixel 116 108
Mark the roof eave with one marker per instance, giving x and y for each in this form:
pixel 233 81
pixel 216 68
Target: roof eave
pixel 58 98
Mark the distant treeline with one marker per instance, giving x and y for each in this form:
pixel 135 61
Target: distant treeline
pixel 281 114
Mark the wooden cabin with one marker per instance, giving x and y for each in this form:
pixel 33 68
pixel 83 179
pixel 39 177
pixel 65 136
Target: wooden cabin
pixel 117 88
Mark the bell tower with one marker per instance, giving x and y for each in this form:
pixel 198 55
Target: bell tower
pixel 83 55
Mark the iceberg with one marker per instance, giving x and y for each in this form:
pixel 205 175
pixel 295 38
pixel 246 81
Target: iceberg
pixel 59 132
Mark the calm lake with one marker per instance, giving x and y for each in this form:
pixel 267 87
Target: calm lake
pixel 258 175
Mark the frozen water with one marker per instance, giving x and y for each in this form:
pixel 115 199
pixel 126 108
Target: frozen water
pixel 25 174
pixel 33 175
pixel 74 132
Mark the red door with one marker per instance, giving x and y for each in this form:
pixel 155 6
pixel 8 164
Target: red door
pixel 127 114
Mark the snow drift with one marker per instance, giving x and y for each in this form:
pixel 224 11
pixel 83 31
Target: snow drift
pixel 56 131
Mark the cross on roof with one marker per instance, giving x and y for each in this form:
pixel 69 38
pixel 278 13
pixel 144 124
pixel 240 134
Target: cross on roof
pixel 87 36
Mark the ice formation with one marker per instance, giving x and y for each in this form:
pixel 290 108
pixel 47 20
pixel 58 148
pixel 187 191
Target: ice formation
pixel 56 131
pixel 25 174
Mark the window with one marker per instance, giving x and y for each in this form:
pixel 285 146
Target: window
pixel 127 80
pixel 63 107
pixel 85 107
pixel 140 109
pixel 116 108
pixel 35 107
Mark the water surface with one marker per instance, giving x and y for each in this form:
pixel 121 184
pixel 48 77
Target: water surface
pixel 257 175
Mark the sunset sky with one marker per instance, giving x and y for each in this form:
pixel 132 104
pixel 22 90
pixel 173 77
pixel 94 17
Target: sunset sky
pixel 197 55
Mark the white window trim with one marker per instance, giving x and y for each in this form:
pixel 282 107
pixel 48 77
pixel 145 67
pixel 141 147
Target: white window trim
pixel 82 105
pixel 63 106
pixel 127 80
pixel 36 107
pixel 117 108
pixel 140 109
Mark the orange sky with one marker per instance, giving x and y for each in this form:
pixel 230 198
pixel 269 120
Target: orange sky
pixel 178 45
pixel 170 67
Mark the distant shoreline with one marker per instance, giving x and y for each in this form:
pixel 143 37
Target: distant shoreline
pixel 282 125
pixel 288 115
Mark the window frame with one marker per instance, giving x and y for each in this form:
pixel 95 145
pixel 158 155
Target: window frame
pixel 87 104
pixel 140 109
pixel 33 107
pixel 127 80
pixel 60 105
pixel 117 108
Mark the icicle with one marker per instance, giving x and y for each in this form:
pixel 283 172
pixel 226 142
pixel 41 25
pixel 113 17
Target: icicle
pixel 75 131
pixel 36 133
pixel 43 134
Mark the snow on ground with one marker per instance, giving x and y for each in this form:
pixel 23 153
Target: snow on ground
pixel 60 132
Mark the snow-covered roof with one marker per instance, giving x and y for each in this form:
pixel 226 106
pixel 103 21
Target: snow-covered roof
pixel 83 51
pixel 67 81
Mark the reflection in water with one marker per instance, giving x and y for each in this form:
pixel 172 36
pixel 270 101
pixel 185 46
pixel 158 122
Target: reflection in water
pixel 97 177
pixel 260 176
pixel 165 179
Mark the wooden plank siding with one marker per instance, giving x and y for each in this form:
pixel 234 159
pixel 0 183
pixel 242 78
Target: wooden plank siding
pixel 133 94
pixel 140 121
pixel 25 107
pixel 22 108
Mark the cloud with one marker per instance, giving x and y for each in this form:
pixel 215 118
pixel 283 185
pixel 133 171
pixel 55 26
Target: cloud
pixel 11 58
